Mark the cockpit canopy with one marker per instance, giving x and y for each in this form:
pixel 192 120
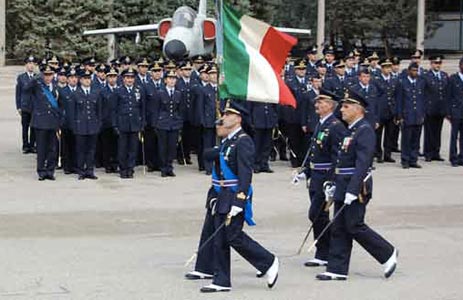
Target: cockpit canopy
pixel 184 16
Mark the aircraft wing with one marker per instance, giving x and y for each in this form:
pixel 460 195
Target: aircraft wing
pixel 294 30
pixel 122 30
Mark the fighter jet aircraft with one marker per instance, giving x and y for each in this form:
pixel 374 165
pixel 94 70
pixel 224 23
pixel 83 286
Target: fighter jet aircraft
pixel 187 34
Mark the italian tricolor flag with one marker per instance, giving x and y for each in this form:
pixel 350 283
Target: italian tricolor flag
pixel 254 55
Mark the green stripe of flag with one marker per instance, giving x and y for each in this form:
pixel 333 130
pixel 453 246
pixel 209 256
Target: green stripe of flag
pixel 235 67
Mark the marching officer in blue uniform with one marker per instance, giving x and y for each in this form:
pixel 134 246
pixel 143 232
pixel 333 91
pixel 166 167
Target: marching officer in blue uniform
pixel 107 133
pixel 411 112
pixel 169 121
pixel 24 105
pixel 129 120
pixel 264 117
pixel 231 179
pixel 352 192
pixel 87 124
pixel 386 87
pixel 436 93
pixel 455 115
pixel 47 117
pixel 67 135
pixel 319 168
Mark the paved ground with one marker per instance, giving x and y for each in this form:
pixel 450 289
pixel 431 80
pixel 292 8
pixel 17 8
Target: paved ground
pixel 113 239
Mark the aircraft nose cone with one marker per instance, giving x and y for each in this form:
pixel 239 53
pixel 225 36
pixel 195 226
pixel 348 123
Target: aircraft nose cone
pixel 175 49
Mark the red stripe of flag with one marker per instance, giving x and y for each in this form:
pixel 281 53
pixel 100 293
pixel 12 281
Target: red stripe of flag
pixel 275 48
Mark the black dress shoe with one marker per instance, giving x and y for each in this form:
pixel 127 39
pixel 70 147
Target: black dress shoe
pixel 415 166
pixel 194 275
pixel 460 163
pixel 188 161
pixel 212 288
pixel 108 171
pixel 171 174
pixel 438 158
pixel 67 172
pixel 42 178
pixel 208 173
pixel 59 168
pixel 316 263
pixel 389 160
pixel 81 177
pixel 256 171
pixel 267 170
pixel 201 169
pixel 164 174
pixel 33 150
pixel 428 159
pixel 26 151
pixel 396 150
pixel 330 276
pixel 51 177
pixel 180 161
pixel 91 176
pixel 405 166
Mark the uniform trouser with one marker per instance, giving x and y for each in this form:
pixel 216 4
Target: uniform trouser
pixel 127 152
pixel 317 214
pixel 385 138
pixel 166 145
pixel 432 136
pixel 297 143
pixel 410 143
pixel 263 142
pixel 207 141
pixel 234 236
pixel 109 148
pixel 205 259
pixel 151 148
pixel 348 226
pixel 395 137
pixel 46 151
pixel 190 141
pixel 68 150
pixel 456 138
pixel 99 151
pixel 85 153
pixel 28 134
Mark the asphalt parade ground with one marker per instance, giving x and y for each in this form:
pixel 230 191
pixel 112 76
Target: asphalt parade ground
pixel 129 240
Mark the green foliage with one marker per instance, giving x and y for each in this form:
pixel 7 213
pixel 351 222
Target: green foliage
pixel 43 27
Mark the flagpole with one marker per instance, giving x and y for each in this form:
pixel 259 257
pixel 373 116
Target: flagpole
pixel 219 50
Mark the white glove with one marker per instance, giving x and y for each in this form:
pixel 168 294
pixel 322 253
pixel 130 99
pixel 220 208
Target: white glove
pixel 298 177
pixel 329 189
pixel 350 198
pixel 235 210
